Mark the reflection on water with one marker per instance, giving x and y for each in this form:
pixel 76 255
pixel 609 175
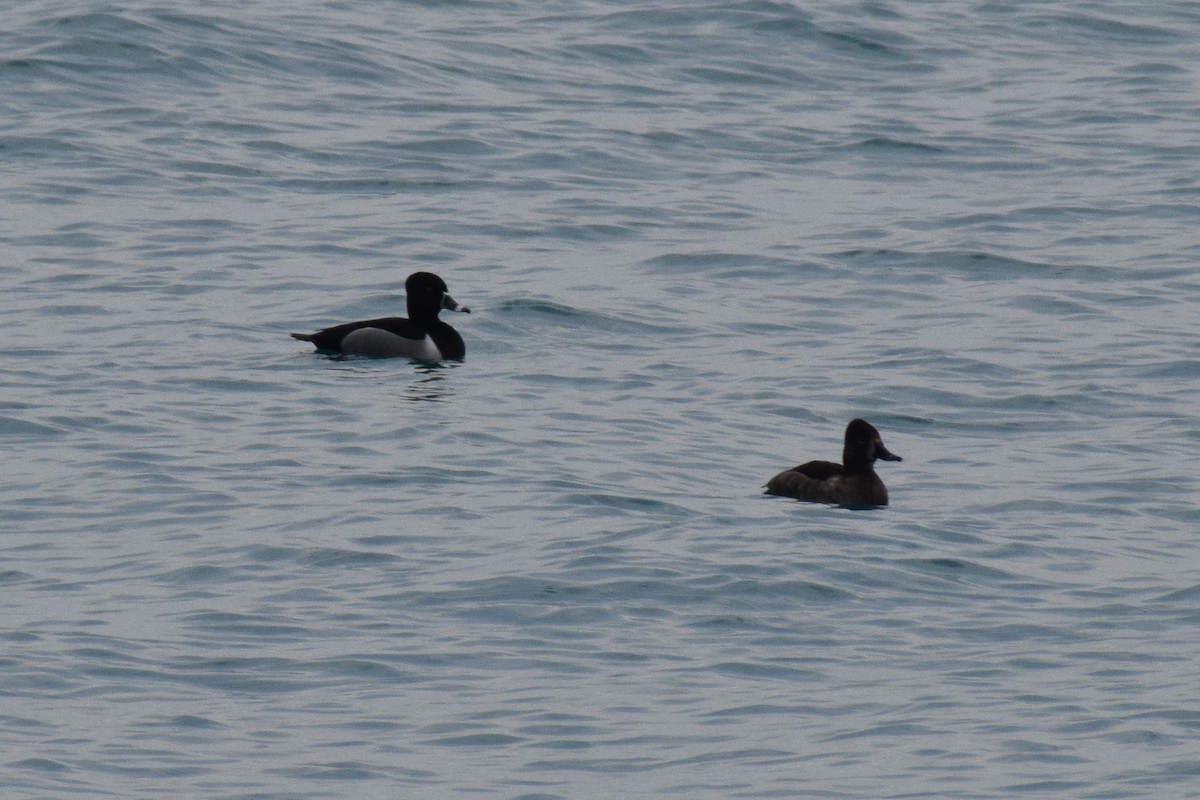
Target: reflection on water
pixel 429 384
pixel 432 387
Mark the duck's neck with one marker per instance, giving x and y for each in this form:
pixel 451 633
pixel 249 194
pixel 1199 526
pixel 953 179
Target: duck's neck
pixel 422 315
pixel 854 463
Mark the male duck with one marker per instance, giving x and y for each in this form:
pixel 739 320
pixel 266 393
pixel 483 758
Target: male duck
pixel 422 336
pixel 851 483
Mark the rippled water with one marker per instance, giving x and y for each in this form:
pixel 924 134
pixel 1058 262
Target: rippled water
pixel 697 240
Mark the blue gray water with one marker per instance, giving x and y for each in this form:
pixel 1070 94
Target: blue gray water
pixel 697 238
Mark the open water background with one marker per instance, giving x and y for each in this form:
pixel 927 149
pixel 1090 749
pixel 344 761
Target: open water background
pixel 697 239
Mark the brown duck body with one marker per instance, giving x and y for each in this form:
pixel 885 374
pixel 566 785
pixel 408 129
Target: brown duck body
pixel 851 483
pixel 826 482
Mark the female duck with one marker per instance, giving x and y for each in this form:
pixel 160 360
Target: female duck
pixel 422 335
pixel 851 483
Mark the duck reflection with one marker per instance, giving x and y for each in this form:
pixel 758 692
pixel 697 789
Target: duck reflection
pixel 431 387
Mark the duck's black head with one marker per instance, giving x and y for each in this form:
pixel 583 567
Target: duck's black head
pixel 863 446
pixel 427 295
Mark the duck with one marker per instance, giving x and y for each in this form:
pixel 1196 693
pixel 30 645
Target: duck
pixel 421 336
pixel 853 483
